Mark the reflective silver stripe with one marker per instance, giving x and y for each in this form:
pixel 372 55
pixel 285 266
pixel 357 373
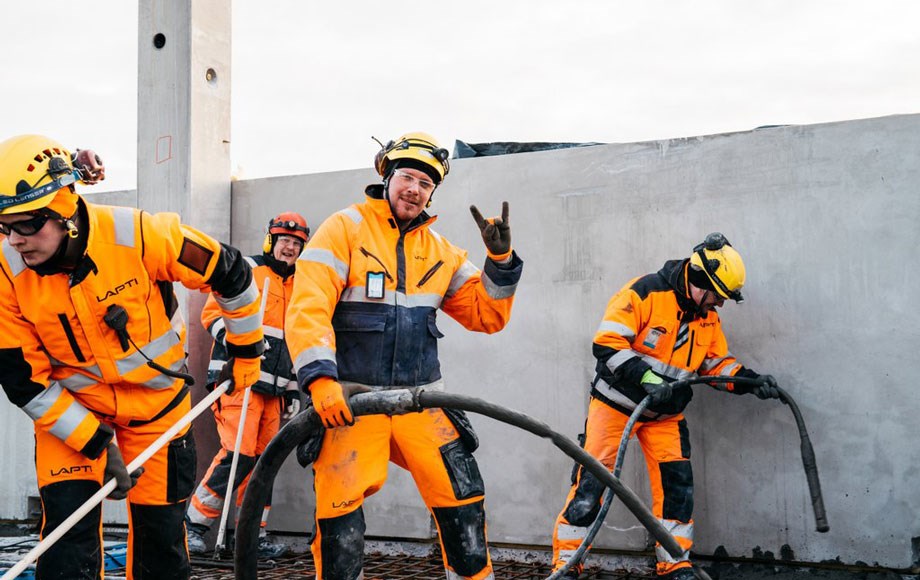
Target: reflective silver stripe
pixel 678 530
pixel 265 511
pixel 567 532
pixel 244 324
pixel 196 517
pixel 353 214
pixel 217 327
pixel 495 291
pixel 312 355
pixel 620 358
pixel 437 385
pixel 245 298
pixel 683 332
pixel 78 382
pixel 68 422
pixel 162 381
pixel 40 403
pixel 463 273
pixel 566 555
pixel 727 371
pixel 666 370
pixel 268 378
pixel 13 258
pixel 153 349
pixel 711 363
pixel 616 328
pixel 624 401
pixel 435 234
pixel 123 218
pixel 391 298
pixel 326 258
pixel 209 499
pixel 273 332
pixel 250 261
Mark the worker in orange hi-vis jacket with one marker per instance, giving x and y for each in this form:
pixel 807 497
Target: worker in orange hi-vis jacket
pixel 92 349
pixel 658 328
pixel 363 316
pixel 276 388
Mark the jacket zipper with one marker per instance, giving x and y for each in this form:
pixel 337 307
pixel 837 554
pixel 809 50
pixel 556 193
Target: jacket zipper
pixel 690 352
pixel 430 273
pixel 71 338
pixel 370 255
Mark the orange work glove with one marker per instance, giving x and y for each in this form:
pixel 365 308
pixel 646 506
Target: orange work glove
pixel 330 399
pixel 242 373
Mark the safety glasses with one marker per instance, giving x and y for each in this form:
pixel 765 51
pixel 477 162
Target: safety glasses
pixel 408 180
pixel 28 227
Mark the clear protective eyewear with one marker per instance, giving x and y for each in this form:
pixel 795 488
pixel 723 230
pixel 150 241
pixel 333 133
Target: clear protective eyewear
pixel 408 180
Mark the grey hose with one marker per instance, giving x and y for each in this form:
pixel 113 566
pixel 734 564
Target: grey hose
pixel 397 402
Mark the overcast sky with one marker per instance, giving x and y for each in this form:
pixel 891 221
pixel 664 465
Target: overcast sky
pixel 312 81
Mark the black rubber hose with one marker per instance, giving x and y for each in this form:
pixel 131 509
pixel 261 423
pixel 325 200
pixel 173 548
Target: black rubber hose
pixel 399 402
pixel 809 463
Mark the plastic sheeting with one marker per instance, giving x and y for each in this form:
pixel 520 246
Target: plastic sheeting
pixel 463 150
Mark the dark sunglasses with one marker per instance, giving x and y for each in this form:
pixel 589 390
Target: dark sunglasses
pixel 28 227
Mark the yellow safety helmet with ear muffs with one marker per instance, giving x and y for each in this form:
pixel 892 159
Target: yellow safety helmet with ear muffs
pixel 418 146
pixel 288 223
pixel 722 265
pixel 36 173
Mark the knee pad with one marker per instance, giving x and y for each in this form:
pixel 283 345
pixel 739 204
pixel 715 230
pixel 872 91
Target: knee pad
pixel 342 546
pixel 583 508
pixel 463 536
pixel 81 547
pixel 677 483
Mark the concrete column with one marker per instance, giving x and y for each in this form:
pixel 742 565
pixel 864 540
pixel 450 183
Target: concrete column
pixel 183 140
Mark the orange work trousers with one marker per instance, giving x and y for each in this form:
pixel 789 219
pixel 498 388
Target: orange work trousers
pixel 263 418
pixel 352 465
pixel 156 505
pixel 666 445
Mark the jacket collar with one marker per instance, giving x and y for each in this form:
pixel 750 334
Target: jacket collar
pixel 675 272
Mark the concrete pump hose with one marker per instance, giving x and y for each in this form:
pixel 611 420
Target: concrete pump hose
pixel 397 402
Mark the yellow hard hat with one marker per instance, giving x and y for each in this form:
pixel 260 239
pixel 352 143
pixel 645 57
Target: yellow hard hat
pixel 722 265
pixel 417 147
pixel 35 173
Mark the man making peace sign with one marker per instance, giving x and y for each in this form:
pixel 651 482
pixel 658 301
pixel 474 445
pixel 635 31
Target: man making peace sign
pixel 363 316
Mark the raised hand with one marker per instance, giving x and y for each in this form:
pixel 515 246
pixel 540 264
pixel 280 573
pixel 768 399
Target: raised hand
pixel 496 232
pixel 90 165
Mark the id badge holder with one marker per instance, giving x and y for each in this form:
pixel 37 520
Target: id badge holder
pixel 375 285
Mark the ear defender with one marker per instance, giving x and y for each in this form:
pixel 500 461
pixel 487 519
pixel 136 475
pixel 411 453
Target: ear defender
pixel 267 244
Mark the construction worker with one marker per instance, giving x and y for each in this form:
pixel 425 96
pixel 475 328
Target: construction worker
pixel 276 387
pixel 658 328
pixel 92 349
pixel 363 316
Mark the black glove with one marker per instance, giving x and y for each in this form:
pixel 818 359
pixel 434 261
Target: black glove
pixel 655 386
pixel 496 232
pixel 768 390
pixel 115 468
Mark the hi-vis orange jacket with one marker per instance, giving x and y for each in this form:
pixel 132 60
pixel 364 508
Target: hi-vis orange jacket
pixel 366 297
pixel 67 369
pixel 277 373
pixel 652 323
